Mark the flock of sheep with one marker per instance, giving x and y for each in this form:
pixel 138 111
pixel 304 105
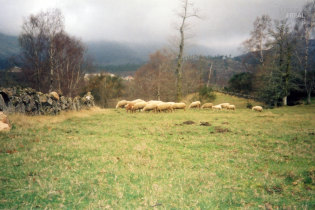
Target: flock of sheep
pixel 159 106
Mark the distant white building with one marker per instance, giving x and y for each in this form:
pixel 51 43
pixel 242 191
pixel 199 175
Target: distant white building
pixel 15 69
pixel 87 75
pixel 128 78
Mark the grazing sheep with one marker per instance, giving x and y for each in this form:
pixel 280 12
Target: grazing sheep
pixel 179 106
pixel 149 107
pixel 129 106
pixel 164 107
pixel 224 105
pixel 138 106
pixel 217 107
pixel 195 104
pixel 207 106
pixel 137 100
pixel 121 104
pixel 171 103
pixel 231 107
pixel 154 101
pixel 257 108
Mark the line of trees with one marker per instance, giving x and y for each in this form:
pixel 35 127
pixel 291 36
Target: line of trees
pixel 282 63
pixel 157 78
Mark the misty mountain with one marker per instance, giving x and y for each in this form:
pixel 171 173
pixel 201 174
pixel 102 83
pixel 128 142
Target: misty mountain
pixel 249 58
pixel 105 54
pixel 9 47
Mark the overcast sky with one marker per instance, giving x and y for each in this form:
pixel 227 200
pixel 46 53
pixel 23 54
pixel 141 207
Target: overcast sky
pixel 224 24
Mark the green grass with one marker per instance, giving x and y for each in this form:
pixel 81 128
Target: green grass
pixel 111 159
pixel 240 103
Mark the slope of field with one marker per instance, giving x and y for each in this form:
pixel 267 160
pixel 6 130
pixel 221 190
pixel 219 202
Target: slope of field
pixel 111 159
pixel 240 103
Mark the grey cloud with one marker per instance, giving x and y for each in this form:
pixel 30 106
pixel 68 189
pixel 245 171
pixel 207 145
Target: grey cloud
pixel 224 24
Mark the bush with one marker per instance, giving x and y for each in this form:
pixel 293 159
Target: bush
pixel 241 83
pixel 206 94
pixel 104 87
pixel 249 105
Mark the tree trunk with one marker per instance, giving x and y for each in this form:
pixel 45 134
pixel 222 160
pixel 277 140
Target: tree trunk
pixel 179 67
pixel 178 70
pixel 285 100
pixel 209 76
pixel 51 52
pixel 159 84
pixel 308 101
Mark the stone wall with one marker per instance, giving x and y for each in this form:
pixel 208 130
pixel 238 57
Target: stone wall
pixel 29 101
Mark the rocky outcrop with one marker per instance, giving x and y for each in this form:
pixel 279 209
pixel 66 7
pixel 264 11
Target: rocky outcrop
pixel 29 101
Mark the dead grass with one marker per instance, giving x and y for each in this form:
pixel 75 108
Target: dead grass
pixel 30 121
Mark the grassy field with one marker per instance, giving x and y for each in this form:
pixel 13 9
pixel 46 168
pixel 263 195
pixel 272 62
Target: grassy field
pixel 110 159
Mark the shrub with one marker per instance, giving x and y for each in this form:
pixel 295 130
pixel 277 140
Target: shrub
pixel 249 105
pixel 241 83
pixel 206 94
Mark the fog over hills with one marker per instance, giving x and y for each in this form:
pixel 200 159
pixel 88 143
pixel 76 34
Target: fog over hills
pixel 104 53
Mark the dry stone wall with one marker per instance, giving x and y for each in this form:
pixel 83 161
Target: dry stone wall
pixel 29 101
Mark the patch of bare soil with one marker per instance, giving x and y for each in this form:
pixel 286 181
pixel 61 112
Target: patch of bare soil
pixel 219 129
pixel 205 124
pixel 188 122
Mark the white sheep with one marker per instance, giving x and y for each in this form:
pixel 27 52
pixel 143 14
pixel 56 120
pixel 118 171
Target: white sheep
pixel 150 106
pixel 164 107
pixel 138 106
pixel 154 101
pixel 257 108
pixel 217 107
pixel 224 105
pixel 121 104
pixel 129 106
pixel 207 106
pixel 195 104
pixel 231 107
pixel 179 106
pixel 137 100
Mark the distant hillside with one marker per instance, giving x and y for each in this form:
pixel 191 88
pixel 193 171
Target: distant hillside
pixel 250 59
pixel 116 53
pixel 223 68
pixel 9 47
pixel 107 55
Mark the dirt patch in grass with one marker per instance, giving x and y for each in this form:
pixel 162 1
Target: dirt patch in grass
pixel 219 129
pixel 274 189
pixel 311 133
pixel 225 123
pixel 205 124
pixel 188 122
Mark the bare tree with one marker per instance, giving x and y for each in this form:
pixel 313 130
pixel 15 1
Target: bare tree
pixel 52 59
pixel 36 40
pixel 304 27
pixel 283 48
pixel 69 61
pixel 187 12
pixel 54 25
pixel 258 42
pixel 155 79
pixel 33 44
pixel 209 75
